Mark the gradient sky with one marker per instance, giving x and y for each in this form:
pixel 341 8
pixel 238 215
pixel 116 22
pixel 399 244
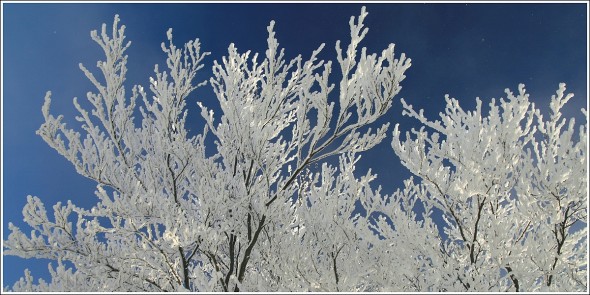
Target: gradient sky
pixel 464 50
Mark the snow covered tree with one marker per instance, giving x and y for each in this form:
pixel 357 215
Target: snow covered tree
pixel 512 189
pixel 257 215
pixel 169 216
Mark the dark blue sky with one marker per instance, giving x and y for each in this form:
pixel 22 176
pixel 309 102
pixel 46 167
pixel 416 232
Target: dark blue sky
pixel 465 50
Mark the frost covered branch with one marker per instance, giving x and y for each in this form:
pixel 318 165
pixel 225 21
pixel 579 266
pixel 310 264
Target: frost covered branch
pixel 498 202
pixel 512 189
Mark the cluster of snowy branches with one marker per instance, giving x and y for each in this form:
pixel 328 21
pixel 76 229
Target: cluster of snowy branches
pixel 510 186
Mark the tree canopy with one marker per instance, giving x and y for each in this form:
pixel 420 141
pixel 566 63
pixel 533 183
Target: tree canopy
pixel 498 200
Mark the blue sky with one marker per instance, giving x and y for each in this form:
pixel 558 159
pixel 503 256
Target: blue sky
pixel 464 49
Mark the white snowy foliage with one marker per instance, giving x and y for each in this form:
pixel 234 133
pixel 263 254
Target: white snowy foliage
pixel 513 192
pixel 171 217
pixel 265 212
